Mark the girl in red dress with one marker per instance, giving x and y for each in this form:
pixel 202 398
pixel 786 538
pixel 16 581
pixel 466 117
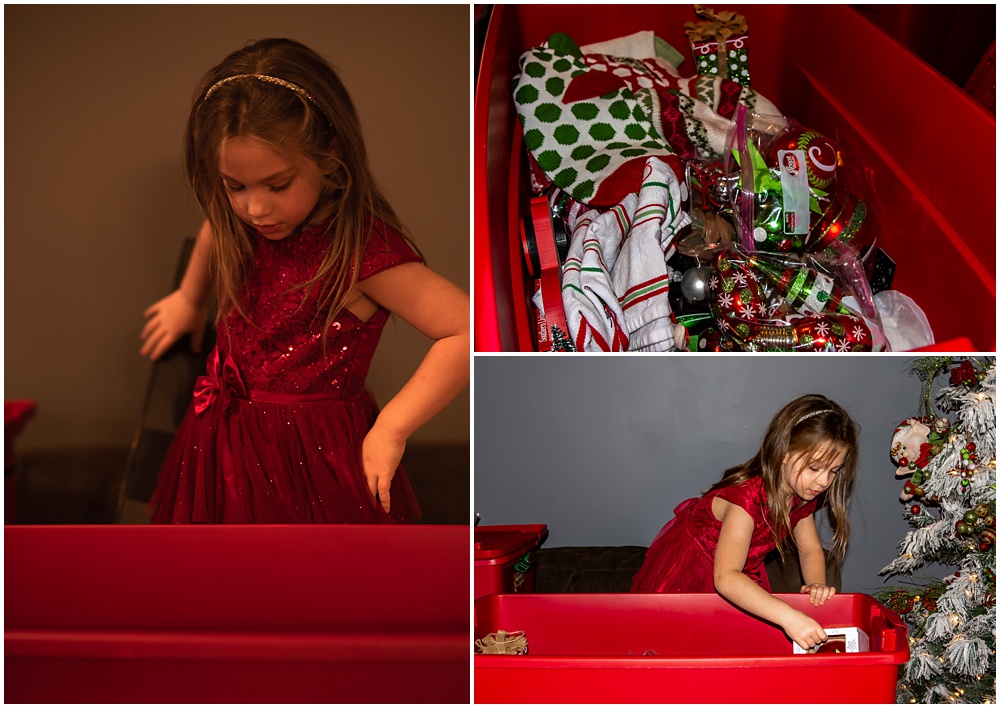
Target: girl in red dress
pixel 718 542
pixel 308 260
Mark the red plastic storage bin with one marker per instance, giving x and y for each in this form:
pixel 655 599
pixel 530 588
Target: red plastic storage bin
pixel 236 614
pixel 504 557
pixel 930 147
pixel 600 649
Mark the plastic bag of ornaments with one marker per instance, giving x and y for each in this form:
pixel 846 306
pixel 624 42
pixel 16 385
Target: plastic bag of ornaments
pixel 775 259
pixel 759 301
pixel 780 188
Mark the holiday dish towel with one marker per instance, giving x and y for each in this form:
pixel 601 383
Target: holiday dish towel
pixel 591 121
pixel 615 277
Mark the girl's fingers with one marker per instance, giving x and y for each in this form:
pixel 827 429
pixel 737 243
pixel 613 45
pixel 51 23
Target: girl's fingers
pixel 149 342
pixel 149 328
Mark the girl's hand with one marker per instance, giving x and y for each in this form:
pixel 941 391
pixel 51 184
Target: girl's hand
pixel 381 453
pixel 818 593
pixel 170 319
pixel 803 629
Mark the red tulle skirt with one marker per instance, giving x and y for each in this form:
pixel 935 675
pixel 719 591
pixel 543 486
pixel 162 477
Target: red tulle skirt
pixel 677 563
pixel 243 461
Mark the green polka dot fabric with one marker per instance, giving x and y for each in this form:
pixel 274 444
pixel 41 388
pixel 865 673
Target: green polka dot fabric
pixel 579 133
pixel 590 121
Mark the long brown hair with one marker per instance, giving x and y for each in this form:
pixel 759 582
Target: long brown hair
pixel 320 123
pixel 808 425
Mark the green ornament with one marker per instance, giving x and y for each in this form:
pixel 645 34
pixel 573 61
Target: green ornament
pixel 970 517
pixel 917 478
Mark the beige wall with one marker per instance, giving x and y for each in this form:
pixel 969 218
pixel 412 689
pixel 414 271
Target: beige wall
pixel 96 207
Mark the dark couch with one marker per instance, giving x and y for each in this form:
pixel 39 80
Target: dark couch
pixel 581 569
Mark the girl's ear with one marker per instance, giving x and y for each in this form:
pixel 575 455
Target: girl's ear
pixel 333 164
pixel 786 462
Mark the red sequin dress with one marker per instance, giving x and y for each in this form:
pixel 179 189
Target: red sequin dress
pixel 274 432
pixel 682 556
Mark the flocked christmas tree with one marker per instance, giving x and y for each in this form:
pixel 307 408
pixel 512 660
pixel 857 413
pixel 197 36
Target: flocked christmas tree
pixel 950 500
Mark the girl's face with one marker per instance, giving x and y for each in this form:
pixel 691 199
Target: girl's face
pixel 266 189
pixel 808 474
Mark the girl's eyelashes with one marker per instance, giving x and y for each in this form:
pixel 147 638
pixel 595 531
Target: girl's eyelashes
pixel 239 187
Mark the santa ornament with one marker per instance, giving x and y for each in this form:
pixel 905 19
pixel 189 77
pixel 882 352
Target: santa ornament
pixel 911 450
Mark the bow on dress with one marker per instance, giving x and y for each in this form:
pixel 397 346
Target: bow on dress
pixel 220 383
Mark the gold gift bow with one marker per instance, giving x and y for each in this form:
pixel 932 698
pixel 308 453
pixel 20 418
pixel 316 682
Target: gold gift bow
pixel 720 27
pixel 503 643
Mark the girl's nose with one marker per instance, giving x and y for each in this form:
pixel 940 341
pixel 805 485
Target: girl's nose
pixel 257 205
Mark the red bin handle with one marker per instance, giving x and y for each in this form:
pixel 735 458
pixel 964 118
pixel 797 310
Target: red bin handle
pixel 889 628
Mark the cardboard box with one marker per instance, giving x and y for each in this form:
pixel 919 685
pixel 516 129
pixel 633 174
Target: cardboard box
pixel 841 640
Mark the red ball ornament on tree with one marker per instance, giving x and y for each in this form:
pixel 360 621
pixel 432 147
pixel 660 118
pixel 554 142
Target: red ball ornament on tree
pixel 915 509
pixel 986 539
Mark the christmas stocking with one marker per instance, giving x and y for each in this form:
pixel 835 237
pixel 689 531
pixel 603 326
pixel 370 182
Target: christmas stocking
pixel 591 121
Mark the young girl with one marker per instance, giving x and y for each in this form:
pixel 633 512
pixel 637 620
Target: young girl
pixel 308 260
pixel 718 542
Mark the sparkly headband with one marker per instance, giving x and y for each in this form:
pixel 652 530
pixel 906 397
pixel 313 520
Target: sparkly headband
pixel 271 80
pixel 807 416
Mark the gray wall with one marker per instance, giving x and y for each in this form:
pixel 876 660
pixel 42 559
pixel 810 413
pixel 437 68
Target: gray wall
pixel 602 448
pixel 96 207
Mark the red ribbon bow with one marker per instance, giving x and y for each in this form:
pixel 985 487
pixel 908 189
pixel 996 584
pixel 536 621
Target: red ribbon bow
pixel 218 384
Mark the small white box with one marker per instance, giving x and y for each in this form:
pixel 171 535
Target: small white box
pixel 840 640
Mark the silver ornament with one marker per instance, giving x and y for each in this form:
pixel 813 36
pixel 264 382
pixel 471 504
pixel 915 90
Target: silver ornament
pixel 694 283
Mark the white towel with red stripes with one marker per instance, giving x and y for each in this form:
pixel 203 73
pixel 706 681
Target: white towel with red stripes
pixel 615 278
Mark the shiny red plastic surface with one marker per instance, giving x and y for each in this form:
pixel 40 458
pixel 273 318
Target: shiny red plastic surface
pixel 679 649
pixel 497 550
pixel 282 614
pixel 929 147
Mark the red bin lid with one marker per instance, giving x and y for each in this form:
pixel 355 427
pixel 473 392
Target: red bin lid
pixel 495 541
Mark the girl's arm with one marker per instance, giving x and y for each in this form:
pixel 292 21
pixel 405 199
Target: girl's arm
pixel 185 310
pixel 812 561
pixel 732 584
pixel 439 310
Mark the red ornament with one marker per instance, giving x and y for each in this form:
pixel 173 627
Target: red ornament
pixel 915 509
pixel 987 539
pixel 964 374
pixel 819 151
pixel 901 601
pixel 846 218
pixel 971 447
